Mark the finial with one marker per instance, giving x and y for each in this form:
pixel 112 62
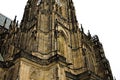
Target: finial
pixel 96 38
pixel 89 32
pixel 82 28
pixel 89 35
pixel 15 18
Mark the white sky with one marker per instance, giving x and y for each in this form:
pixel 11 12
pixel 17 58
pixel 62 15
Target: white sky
pixel 101 17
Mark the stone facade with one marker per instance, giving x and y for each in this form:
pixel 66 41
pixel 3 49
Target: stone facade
pixel 49 45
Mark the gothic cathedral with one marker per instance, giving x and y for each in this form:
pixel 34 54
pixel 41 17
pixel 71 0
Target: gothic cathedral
pixel 49 45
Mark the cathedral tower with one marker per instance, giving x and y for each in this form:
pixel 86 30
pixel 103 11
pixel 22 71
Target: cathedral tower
pixel 49 45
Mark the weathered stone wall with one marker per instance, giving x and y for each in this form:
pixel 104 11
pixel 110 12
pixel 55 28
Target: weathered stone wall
pixel 2 74
pixel 33 71
pixel 49 45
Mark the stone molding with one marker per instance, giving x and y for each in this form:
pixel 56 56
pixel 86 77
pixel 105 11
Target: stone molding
pixel 37 60
pixel 87 74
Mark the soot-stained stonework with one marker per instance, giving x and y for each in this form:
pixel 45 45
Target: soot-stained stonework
pixel 49 45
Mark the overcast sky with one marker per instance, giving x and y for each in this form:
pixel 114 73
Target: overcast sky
pixel 101 17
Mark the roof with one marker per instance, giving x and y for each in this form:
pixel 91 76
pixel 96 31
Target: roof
pixel 2 20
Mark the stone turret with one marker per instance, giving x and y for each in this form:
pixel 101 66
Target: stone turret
pixel 49 45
